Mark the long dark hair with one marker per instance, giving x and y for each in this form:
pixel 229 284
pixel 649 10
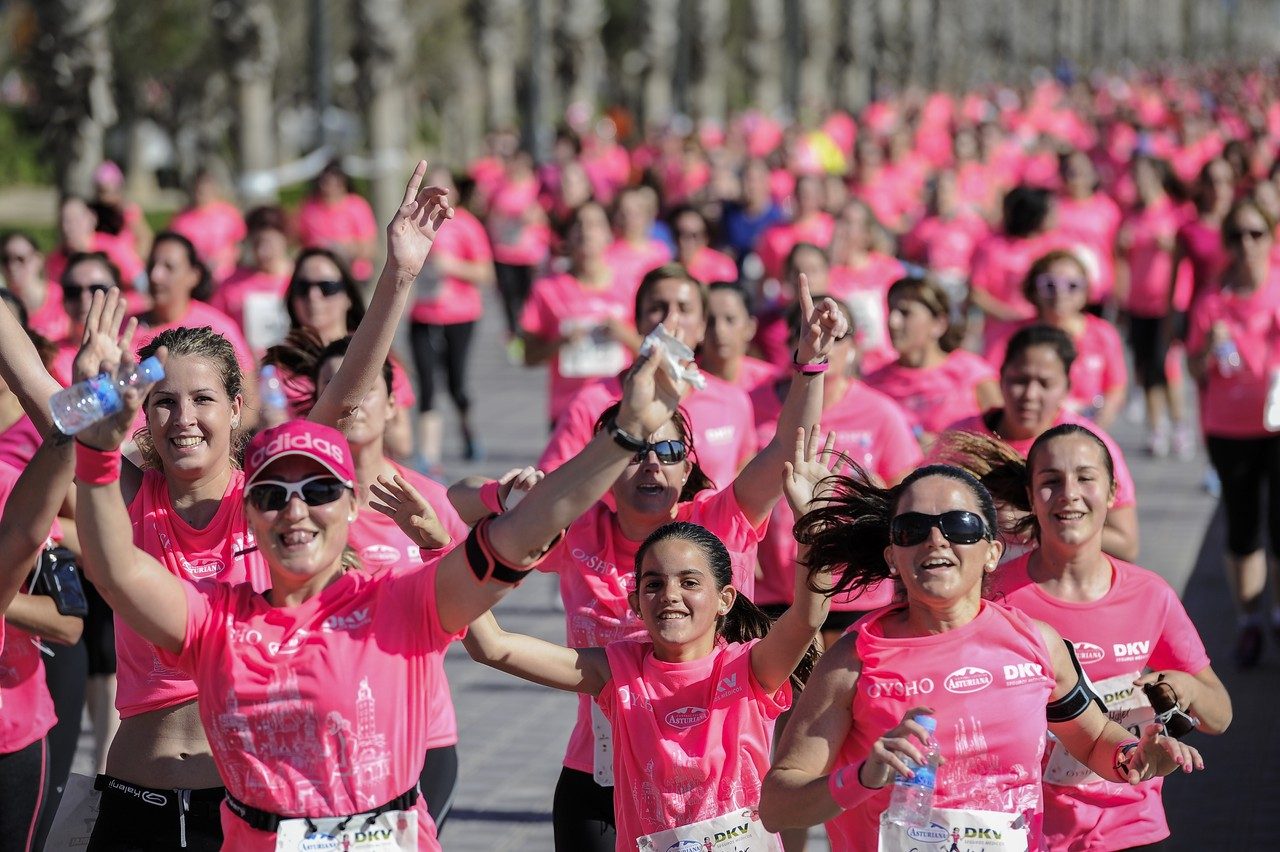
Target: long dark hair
pixel 847 537
pixel 744 621
pixel 204 286
pixel 698 479
pixel 355 313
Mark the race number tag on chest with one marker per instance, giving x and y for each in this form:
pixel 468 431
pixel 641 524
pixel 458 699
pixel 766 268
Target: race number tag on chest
pixel 1127 705
pixel 739 831
pixel 393 831
pixel 957 831
pixel 592 355
pixel 602 731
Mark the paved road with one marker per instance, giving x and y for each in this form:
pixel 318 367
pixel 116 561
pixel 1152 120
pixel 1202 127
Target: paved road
pixel 513 734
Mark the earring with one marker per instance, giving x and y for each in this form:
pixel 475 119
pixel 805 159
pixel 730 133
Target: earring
pixel 235 423
pixel 351 519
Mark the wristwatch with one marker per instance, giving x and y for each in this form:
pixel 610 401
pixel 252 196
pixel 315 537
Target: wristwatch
pixel 625 439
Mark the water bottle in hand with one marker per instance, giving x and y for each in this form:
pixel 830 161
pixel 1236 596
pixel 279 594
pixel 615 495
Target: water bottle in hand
pixel 85 403
pixel 275 405
pixel 912 800
pixel 1227 356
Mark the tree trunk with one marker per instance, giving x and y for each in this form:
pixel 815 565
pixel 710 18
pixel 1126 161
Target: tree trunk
pixel 659 47
pixel 383 44
pixel 582 52
pixel 764 55
pixel 816 59
pixel 251 45
pixel 711 83
pixel 74 79
pixel 854 55
pixel 498 28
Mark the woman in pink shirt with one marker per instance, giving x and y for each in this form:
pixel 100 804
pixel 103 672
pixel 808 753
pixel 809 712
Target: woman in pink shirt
pixel 77 230
pixel 1090 219
pixel 1233 344
pixel 1145 251
pixel 214 226
pixel 85 274
pixel 989 675
pixel 935 380
pixel 1127 625
pixel 254 296
pixel 335 217
pixel 24 276
pixel 862 270
pixel 1057 284
pixel 635 251
pixel 518 233
pixel 693 252
pixel 730 329
pixel 943 241
pixel 1199 242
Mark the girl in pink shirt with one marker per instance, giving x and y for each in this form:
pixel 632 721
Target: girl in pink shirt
pixel 518 233
pixel 254 296
pixel 215 227
pixel 730 329
pixel 703 262
pixel 336 218
pixel 1090 219
pixel 1199 242
pixel 692 696
pixel 989 675
pixel 860 276
pixel 635 252
pixel 1233 344
pixel 1127 625
pixel 24 276
pixel 933 379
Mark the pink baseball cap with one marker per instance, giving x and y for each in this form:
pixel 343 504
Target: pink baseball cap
pixel 300 438
pixel 108 174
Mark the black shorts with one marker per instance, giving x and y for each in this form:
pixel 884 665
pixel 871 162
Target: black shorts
pixel 99 633
pixel 133 818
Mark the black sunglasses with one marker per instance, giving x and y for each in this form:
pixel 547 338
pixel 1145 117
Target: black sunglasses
pixel 1176 721
pixel 958 527
pixel 73 292
pixel 1238 235
pixel 328 287
pixel 668 452
pixel 273 495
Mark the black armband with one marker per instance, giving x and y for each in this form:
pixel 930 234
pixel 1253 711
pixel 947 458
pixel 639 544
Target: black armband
pixel 1078 699
pixel 485 562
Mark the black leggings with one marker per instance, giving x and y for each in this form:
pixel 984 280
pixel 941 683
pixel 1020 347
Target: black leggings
pixel 434 345
pixel 1247 467
pixel 65 674
pixel 133 818
pixel 22 785
pixel 439 781
pixel 514 284
pixel 582 814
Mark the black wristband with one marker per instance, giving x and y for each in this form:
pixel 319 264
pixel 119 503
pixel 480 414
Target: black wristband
pixel 626 440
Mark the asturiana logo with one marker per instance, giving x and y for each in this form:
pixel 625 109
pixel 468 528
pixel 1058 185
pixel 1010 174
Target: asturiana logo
pixel 967 679
pixel 933 833
pixel 201 568
pixel 380 554
pixel 686 717
pixel 1087 652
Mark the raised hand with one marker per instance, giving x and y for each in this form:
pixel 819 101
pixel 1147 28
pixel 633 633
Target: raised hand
pixel 400 501
pixel 413 229
pixel 821 325
pixel 104 348
pixel 515 484
pixel 803 480
pixel 650 396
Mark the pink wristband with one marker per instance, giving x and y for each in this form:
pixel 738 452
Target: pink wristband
pixel 810 369
pixel 490 497
pixel 847 788
pixel 97 467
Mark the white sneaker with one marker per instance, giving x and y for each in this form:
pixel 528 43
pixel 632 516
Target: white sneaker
pixel 1158 441
pixel 1184 443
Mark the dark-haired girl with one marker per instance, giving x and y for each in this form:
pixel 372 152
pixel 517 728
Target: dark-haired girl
pixel 730 329
pixel 989 675
pixel 1127 625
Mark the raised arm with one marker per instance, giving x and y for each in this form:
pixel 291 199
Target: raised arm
pixel 476 496
pixel 29 512
pixel 571 669
pixel 410 235
pixel 776 656
pixel 24 372
pixel 759 485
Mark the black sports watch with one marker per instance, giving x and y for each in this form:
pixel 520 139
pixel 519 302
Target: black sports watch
pixel 626 440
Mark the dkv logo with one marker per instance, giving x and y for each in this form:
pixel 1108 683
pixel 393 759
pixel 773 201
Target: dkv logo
pixel 686 717
pixel 967 679
pixel 1087 652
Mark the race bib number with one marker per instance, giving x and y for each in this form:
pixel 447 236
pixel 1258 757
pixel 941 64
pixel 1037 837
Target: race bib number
pixel 1127 705
pixel 957 831
pixel 266 321
pixel 393 831
pixel 592 355
pixel 603 732
pixel 868 310
pixel 740 831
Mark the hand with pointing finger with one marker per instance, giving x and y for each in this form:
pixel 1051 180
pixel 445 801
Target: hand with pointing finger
pixel 413 229
pixel 821 325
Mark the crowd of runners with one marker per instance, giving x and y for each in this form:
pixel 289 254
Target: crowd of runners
pixel 827 452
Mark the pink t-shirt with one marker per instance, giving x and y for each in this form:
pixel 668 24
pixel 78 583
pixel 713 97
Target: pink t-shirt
pixel 514 241
pixel 1091 223
pixel 720 415
pixel 1202 245
pixel 1126 491
pixel 118 251
pixel 988 682
pixel 319 709
pixel 865 290
pixel 776 243
pixel 64 361
pixel 325 225
pixel 1231 406
pixel 216 230
pixel 935 397
pixel 199 314
pixel 18 443
pixel 752 373
pixel 945 245
pixel 630 263
pixel 1000 263
pixel 871 429
pixel 224 551
pixel 255 302
pixel 561 303
pixel 710 266
pixel 50 319
pixel 382 544
pixel 596 564
pixel 443 299
pixel 1151 264
pixel 1139 624
pixel 691 740
pixel 1099 368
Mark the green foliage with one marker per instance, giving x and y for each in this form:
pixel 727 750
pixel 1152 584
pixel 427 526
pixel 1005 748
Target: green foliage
pixel 23 159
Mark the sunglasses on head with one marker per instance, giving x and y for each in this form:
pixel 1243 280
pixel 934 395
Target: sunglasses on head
pixel 1176 721
pixel 328 287
pixel 958 527
pixel 1237 235
pixel 1052 285
pixel 73 292
pixel 668 452
pixel 271 495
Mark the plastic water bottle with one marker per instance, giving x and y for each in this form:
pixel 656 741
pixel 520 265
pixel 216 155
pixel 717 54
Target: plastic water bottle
pixel 1227 356
pixel 275 406
pixel 85 403
pixel 912 800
